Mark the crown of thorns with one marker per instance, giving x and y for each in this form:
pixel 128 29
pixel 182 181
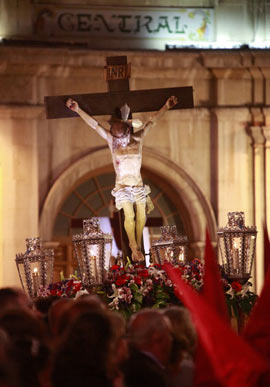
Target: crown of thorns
pixel 122 114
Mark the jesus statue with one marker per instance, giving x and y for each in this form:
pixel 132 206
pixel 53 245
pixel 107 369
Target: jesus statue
pixel 130 193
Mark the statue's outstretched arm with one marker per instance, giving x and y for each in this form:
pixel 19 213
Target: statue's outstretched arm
pixel 170 103
pixel 74 106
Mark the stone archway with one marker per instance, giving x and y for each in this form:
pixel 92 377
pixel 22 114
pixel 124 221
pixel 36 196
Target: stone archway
pixel 196 211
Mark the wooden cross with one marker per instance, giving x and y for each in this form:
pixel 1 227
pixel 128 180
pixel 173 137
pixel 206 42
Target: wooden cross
pixel 117 76
pixel 105 103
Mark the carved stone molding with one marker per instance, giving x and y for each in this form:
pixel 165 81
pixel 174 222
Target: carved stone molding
pixel 257 136
pixel 266 133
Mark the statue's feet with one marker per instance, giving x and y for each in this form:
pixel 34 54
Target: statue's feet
pixel 137 255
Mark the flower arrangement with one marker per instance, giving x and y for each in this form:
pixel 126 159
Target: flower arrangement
pixel 64 288
pixel 240 299
pixel 135 287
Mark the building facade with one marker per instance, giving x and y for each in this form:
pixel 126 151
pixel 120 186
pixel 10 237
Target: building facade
pixel 201 162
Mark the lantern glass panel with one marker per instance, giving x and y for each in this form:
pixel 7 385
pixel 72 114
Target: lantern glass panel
pixel 108 253
pixel 237 245
pixel 93 251
pixel 170 247
pixel 35 267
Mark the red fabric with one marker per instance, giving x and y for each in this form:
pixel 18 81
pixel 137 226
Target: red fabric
pixel 234 361
pixel 213 291
pixel 257 330
pixel 213 294
pixel 205 374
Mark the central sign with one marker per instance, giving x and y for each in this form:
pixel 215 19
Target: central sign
pixel 182 24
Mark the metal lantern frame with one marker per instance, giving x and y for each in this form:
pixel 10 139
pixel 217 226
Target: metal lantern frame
pixel 237 244
pixel 170 247
pixel 90 249
pixel 35 266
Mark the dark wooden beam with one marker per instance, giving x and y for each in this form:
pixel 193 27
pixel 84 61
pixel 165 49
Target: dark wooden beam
pixel 105 103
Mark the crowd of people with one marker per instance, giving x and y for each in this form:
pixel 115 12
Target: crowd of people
pixel 72 342
pixel 61 342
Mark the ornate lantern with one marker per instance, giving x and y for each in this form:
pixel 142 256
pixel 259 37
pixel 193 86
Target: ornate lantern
pixel 170 247
pixel 237 244
pixel 35 266
pixel 93 252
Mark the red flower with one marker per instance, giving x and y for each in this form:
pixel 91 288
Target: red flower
pixel 115 267
pixel 237 287
pixel 77 287
pixel 137 280
pixel 70 284
pixel 122 280
pixel 139 266
pixel 143 273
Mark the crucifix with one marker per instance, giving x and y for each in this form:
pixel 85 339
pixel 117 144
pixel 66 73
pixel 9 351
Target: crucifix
pixel 131 196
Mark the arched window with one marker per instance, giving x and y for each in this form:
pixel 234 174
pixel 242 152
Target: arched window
pixel 92 198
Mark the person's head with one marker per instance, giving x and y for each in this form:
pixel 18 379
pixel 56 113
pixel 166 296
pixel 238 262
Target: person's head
pixel 149 330
pixel 28 344
pixel 92 300
pixel 119 128
pixel 14 298
pixel 84 304
pixel 91 329
pixel 22 323
pixel 85 354
pixel 183 331
pixel 55 312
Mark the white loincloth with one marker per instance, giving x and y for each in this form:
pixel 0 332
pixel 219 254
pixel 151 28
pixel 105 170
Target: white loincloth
pixel 134 194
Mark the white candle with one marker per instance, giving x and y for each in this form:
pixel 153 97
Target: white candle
pixel 181 256
pixel 94 266
pixel 168 254
pixel 93 261
pixel 235 257
pixel 35 277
